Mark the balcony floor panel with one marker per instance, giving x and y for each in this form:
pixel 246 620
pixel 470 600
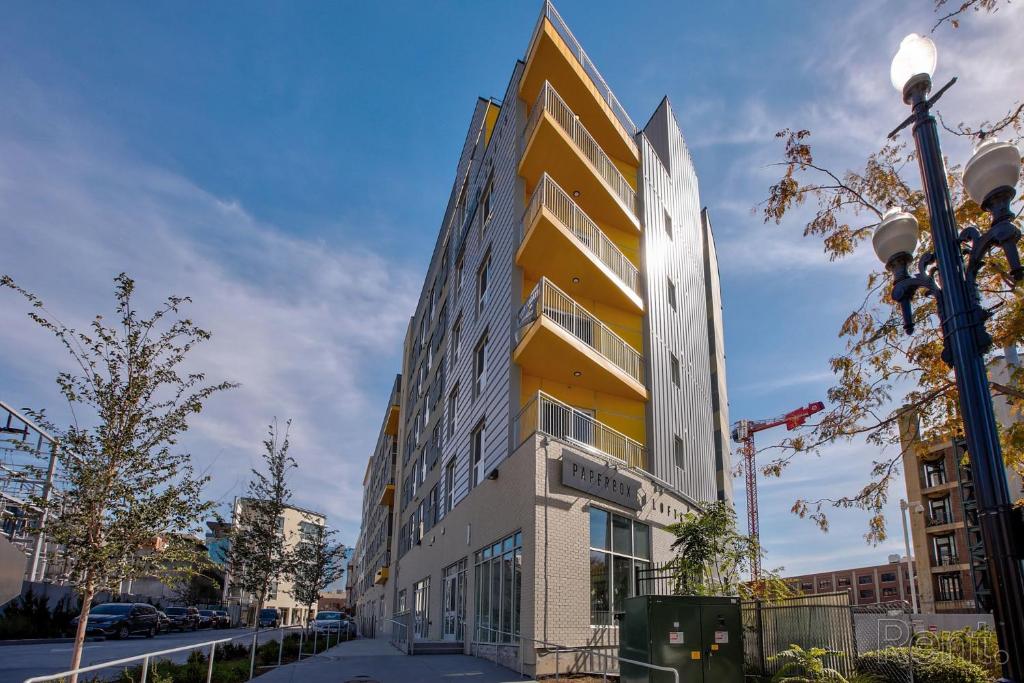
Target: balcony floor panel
pixel 551 149
pixel 549 351
pixel 551 250
pixel 551 60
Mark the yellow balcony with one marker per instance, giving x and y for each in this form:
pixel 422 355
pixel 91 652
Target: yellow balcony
pixel 558 240
pixel 557 57
pixel 391 426
pixel 556 142
pixel 544 414
pixel 381 576
pixel 387 496
pixel 562 341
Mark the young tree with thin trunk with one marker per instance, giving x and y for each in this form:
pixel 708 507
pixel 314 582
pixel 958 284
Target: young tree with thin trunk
pixel 258 551
pixel 130 499
pixel 882 374
pixel 319 561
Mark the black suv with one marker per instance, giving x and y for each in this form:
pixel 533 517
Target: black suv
pixel 121 619
pixel 182 618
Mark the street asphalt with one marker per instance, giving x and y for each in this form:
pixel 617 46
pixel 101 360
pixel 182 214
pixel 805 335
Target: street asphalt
pixel 18 662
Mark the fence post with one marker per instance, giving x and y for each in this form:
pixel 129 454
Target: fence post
pixel 145 669
pixel 302 634
pixel 209 666
pixel 760 636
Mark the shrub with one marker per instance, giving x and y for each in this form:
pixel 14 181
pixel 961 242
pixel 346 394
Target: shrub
pixel 805 666
pixel 976 646
pixel 893 665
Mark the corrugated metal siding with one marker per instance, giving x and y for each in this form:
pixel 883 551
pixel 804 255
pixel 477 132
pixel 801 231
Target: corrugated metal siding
pixel 685 410
pixel 716 338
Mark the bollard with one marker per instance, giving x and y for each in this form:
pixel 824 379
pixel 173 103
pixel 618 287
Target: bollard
pixel 316 637
pixel 280 648
pixel 302 633
pixel 209 667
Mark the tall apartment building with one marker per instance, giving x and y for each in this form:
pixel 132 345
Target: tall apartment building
pixel 944 530
pixel 878 584
pixel 371 565
pixel 563 395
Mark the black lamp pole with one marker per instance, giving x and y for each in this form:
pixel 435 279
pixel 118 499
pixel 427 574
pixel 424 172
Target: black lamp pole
pixel 966 343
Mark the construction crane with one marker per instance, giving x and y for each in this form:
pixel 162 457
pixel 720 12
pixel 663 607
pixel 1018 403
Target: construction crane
pixel 743 433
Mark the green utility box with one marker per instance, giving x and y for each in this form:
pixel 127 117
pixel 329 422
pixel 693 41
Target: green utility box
pixel 700 637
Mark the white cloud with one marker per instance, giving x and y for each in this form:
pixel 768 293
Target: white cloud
pixel 312 330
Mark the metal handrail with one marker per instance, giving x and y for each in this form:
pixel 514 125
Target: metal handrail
pixel 547 415
pixel 549 301
pixel 548 100
pixel 550 196
pixel 588 66
pixel 145 657
pixel 557 649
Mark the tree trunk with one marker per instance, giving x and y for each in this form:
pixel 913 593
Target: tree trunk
pixel 83 622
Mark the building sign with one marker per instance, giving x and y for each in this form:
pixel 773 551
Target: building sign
pixel 599 480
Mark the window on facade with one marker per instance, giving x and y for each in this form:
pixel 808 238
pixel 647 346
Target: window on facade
pixel 945 549
pixel 458 276
pixel 680 453
pixel 863 580
pixel 934 472
pixel 844 581
pixel 668 224
pixel 950 587
pixel 401 606
pixel 807 585
pixel 449 486
pixel 486 203
pixel 456 339
pixel 825 584
pixel 432 516
pixel 477 453
pixel 480 365
pixel 888 592
pixel 672 294
pixel 619 547
pixel 867 594
pixel 939 511
pixel 675 368
pixel 453 407
pixel 888 576
pixel 498 572
pixel 482 277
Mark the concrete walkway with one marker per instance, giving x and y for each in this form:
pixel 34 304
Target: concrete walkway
pixel 377 660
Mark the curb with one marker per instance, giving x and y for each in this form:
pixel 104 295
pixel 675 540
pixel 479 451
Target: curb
pixel 36 641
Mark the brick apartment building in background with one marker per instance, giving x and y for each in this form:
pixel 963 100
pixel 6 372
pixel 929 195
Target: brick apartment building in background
pixel 942 533
pixel 873 585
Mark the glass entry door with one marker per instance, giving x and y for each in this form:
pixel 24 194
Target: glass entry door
pixel 454 601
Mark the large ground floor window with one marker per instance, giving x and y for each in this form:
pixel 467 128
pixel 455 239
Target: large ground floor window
pixel 421 608
pixel 498 585
pixel 619 547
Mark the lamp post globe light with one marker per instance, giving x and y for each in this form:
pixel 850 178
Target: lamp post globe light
pixel 990 178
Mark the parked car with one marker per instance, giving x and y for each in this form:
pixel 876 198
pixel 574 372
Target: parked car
pixel 206 618
pixel 221 619
pixel 163 622
pixel 120 620
pixel 327 622
pixel 183 618
pixel 269 618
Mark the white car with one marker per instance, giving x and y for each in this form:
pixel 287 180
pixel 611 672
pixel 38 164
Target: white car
pixel 329 623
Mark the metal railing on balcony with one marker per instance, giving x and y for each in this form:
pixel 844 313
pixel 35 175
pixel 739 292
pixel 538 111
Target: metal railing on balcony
pixel 548 100
pixel 547 415
pixel 944 560
pixel 549 301
pixel 550 196
pixel 588 66
pixel 938 518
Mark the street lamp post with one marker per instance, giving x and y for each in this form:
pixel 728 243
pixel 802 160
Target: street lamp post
pixel 904 506
pixel 990 178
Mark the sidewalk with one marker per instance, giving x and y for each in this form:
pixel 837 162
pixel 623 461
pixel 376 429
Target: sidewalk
pixel 371 659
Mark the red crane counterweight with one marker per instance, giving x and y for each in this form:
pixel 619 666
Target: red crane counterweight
pixel 743 433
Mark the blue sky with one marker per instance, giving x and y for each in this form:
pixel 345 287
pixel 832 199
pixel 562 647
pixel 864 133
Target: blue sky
pixel 287 165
